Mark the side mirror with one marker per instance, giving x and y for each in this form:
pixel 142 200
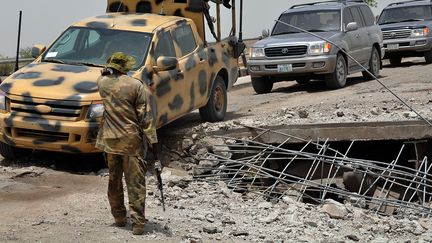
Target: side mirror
pixel 37 50
pixel 351 26
pixel 166 64
pixel 265 33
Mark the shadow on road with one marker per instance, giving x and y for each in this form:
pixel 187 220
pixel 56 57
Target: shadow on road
pixel 150 227
pixel 72 163
pixel 186 123
pixel 316 86
pixel 406 64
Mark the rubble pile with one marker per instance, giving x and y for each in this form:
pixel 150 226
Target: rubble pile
pixel 212 211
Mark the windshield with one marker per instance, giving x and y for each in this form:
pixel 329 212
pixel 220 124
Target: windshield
pixel 313 21
pixel 93 47
pixel 415 13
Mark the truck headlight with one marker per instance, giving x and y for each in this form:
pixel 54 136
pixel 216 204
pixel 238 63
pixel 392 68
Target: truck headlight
pixel 2 103
pixel 420 32
pixel 320 48
pixel 95 111
pixel 256 52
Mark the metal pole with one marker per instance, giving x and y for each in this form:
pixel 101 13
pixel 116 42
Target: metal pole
pixel 241 21
pixel 218 20
pixel 18 42
pixel 234 17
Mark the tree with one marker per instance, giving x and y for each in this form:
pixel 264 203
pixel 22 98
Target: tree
pixel 25 52
pixel 372 3
pixel 5 69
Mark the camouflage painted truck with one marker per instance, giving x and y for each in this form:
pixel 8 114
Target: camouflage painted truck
pixel 53 103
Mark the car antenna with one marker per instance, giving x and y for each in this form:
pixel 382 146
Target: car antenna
pixel 118 10
pixel 18 42
pixel 162 11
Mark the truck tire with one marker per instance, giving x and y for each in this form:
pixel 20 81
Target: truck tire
pixel 303 81
pixel 216 107
pixel 337 79
pixel 262 85
pixel 428 56
pixel 395 61
pixel 12 153
pixel 374 65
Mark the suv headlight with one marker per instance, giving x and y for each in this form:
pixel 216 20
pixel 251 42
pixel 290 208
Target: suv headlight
pixel 320 48
pixel 2 102
pixel 420 32
pixel 256 52
pixel 95 111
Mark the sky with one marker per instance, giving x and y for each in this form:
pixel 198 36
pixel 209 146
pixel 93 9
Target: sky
pixel 44 20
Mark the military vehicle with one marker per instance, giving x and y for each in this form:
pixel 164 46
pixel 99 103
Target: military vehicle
pixel 406 27
pixel 290 54
pixel 53 103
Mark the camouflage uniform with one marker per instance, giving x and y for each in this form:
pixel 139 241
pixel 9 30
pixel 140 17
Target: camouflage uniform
pixel 128 113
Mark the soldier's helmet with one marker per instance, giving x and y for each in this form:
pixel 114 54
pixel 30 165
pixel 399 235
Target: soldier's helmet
pixel 121 62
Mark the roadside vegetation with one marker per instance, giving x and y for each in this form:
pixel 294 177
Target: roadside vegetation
pixel 6 69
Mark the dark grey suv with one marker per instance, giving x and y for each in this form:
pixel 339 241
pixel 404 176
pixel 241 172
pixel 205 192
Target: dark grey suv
pixel 288 54
pixel 406 28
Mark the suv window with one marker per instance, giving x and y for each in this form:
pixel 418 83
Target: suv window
pixel 184 37
pixel 347 17
pixel 368 15
pixel 164 46
pixel 314 21
pixel 357 16
pixel 405 14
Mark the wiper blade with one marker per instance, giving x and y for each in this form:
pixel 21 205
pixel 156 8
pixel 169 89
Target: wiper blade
pixel 54 61
pixel 86 64
pixel 391 22
pixel 288 32
pixel 316 30
pixel 409 20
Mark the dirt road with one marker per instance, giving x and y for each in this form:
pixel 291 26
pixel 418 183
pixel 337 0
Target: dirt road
pixel 42 200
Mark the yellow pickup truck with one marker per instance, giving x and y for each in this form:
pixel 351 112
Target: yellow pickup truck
pixel 53 103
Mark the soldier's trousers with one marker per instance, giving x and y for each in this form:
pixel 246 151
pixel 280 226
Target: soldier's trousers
pixel 134 171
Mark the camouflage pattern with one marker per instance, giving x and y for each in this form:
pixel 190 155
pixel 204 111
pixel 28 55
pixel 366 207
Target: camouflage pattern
pixel 128 114
pixel 69 90
pixel 191 9
pixel 134 170
pixel 121 62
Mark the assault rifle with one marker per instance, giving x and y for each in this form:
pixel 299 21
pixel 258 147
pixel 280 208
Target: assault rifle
pixel 158 170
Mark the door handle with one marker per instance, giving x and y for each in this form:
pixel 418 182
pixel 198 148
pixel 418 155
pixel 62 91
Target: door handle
pixel 180 74
pixel 202 60
pixel 357 36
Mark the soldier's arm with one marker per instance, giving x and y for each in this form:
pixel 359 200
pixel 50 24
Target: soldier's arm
pixel 147 114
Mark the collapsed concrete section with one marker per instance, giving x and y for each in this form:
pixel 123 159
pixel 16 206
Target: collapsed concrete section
pixel 386 170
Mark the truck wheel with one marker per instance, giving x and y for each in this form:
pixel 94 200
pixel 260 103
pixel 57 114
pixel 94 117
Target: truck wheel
pixel 338 78
pixel 302 81
pixel 262 85
pixel 12 153
pixel 428 56
pixel 374 65
pixel 216 107
pixel 395 61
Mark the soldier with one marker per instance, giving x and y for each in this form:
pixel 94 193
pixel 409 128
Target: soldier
pixel 127 127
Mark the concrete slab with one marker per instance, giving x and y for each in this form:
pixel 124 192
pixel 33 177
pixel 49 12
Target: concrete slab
pixel 367 131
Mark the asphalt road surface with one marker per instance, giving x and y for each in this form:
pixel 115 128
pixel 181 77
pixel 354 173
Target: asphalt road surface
pixel 46 202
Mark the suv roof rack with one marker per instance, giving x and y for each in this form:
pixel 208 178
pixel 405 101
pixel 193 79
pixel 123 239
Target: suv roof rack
pixel 326 2
pixel 408 1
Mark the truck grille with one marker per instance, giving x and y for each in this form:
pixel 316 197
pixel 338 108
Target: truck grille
pixel 285 51
pixel 294 65
pixel 396 34
pixel 68 111
pixel 45 136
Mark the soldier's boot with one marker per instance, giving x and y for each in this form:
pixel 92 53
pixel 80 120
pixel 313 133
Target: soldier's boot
pixel 137 229
pixel 120 221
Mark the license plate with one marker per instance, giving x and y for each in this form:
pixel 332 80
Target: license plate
pixel 284 68
pixel 392 46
